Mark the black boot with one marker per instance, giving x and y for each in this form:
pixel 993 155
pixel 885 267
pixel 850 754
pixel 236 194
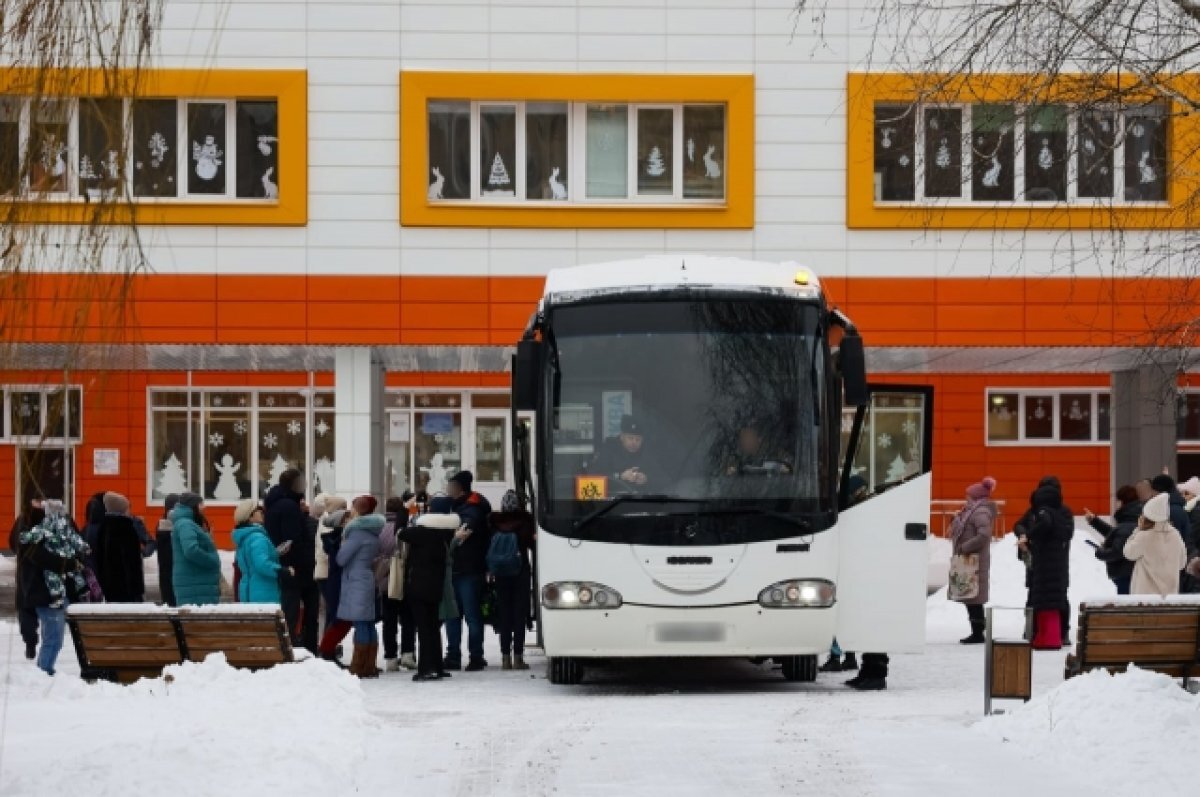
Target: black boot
pixel 31 650
pixel 850 663
pixel 451 664
pixel 867 684
pixel 976 637
pixel 832 664
pixel 425 676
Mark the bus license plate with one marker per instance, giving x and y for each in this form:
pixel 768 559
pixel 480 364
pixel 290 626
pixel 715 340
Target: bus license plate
pixel 689 632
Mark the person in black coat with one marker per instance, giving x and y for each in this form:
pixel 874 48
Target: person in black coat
pixel 429 537
pixel 93 516
pixel 1048 540
pixel 166 556
pixel 27 619
pixel 1112 552
pixel 470 573
pixel 1021 529
pixel 119 553
pixel 287 525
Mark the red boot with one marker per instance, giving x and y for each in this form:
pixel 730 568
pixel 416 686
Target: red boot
pixel 1048 623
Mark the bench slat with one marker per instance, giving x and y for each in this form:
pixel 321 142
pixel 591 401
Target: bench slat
pixel 1139 635
pixel 234 643
pixel 157 624
pixel 193 628
pixel 1141 619
pixel 143 658
pixel 138 642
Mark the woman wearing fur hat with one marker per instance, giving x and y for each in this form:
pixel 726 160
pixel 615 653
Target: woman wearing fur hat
pixel 971 535
pixel 1156 550
pixel 119 553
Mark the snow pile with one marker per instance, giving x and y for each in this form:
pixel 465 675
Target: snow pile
pixel 293 729
pixel 1124 731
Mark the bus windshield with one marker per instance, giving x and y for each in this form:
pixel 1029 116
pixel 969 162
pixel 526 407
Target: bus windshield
pixel 709 410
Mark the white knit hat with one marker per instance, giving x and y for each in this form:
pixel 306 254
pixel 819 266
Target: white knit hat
pixel 1157 509
pixel 1191 486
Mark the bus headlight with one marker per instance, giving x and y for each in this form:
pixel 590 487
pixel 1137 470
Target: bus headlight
pixel 806 593
pixel 579 595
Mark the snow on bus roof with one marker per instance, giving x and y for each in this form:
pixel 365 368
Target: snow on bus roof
pixel 669 271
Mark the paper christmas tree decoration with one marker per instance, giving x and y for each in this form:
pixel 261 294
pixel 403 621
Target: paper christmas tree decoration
pixel 654 163
pixel 323 474
pixel 499 176
pixel 278 466
pixel 172 478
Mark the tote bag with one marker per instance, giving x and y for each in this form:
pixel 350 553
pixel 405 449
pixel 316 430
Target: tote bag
pixel 395 582
pixel 964 577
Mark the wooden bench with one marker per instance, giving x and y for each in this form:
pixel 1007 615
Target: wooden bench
pixel 125 642
pixel 1162 635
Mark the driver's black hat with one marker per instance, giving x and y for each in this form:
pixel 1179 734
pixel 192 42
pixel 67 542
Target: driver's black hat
pixel 629 425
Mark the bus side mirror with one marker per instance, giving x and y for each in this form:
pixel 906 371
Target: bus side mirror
pixel 527 375
pixel 853 362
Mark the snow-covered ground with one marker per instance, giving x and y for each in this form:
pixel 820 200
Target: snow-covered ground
pixel 692 728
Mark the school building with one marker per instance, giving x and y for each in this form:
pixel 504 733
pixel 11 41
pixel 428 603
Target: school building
pixel 330 194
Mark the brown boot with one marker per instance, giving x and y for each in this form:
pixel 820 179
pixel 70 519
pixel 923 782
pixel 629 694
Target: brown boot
pixel 370 667
pixel 356 661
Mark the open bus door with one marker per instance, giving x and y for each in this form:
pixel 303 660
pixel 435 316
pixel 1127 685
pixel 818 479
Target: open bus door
pixel 883 524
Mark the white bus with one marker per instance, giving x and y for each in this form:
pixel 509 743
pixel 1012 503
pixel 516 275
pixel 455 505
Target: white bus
pixel 693 493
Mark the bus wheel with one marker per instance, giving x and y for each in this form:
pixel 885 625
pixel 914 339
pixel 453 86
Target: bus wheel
pixel 800 668
pixel 565 671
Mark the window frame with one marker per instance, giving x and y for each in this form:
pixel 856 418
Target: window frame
pixel 865 90
pixel 287 88
pixel 734 92
pixel 1055 395
pixel 43 440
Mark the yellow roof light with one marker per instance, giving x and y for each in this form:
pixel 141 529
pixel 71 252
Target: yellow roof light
pixel 802 277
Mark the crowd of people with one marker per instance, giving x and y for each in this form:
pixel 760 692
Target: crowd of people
pixel 1152 548
pixel 422 565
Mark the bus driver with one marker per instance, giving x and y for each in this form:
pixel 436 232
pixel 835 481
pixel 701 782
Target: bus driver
pixel 754 455
pixel 621 458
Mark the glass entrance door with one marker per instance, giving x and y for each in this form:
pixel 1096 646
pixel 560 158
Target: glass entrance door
pixel 47 473
pixel 492 448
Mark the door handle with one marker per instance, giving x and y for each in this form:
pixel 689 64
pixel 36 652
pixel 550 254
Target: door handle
pixel 916 531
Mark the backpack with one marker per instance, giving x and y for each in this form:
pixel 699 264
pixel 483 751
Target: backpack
pixel 504 555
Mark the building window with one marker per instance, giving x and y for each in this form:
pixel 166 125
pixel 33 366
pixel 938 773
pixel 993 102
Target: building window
pixel 528 151
pixel 1037 416
pixel 176 149
pixel 35 415
pixel 233 444
pixel 969 153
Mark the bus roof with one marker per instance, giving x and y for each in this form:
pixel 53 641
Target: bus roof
pixel 663 272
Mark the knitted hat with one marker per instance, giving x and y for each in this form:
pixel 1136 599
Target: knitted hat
pixel 318 507
pixel 365 504
pixel 1162 483
pixel 169 503
pixel 335 502
pixel 981 489
pixel 630 425
pixel 1191 486
pixel 463 479
pixel 243 511
pixel 510 502
pixel 116 504
pixel 1157 509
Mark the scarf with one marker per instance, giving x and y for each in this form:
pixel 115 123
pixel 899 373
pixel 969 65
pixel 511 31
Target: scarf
pixel 56 536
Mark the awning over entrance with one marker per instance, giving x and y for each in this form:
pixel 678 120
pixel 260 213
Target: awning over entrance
pixel 497 359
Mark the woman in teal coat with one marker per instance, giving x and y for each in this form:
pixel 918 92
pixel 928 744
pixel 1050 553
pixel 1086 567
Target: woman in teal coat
pixel 197 567
pixel 257 558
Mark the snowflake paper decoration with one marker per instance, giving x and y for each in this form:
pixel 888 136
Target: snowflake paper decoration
pixel 240 427
pixel 318 402
pixel 909 427
pixel 425 401
pixel 270 401
pixel 293 428
pixel 26 409
pixel 242 401
pixel 270 440
pixel 453 401
pixel 885 440
pixel 322 428
pixel 216 439
pixel 218 401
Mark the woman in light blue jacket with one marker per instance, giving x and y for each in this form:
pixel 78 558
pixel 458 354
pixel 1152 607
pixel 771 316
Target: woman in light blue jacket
pixel 360 546
pixel 257 558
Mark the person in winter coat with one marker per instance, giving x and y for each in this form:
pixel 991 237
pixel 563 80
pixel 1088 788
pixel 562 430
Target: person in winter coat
pixel 329 504
pixel 429 538
pixel 971 533
pixel 1156 550
pixel 118 553
pixel 357 604
pixel 1020 529
pixel 1048 540
pixel 27 619
pixel 93 516
pixel 333 528
pixel 166 562
pixel 257 558
pixel 470 573
pixel 196 565
pixel 53 557
pixel 287 524
pixel 1112 552
pixel 512 578
pixel 397 619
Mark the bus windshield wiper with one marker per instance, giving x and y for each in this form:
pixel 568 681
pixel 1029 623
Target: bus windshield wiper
pixel 800 523
pixel 605 508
